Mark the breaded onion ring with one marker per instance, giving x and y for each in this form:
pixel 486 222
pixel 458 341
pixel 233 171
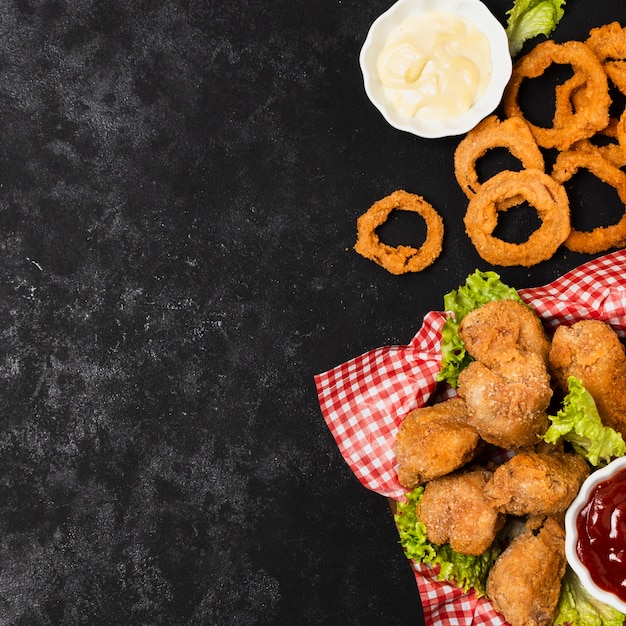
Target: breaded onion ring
pixel 401 259
pixel 603 237
pixel 575 118
pixel 512 133
pixel 570 97
pixel 612 152
pixel 608 42
pixel 540 191
pixel 620 133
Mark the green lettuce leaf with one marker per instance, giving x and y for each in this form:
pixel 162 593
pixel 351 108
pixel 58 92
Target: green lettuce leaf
pixel 577 607
pixel 480 288
pixel 529 18
pixel 579 423
pixel 466 572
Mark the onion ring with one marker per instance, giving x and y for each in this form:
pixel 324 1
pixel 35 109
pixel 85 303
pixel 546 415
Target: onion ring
pixel 569 97
pixel 603 237
pixel 512 133
pixel 574 119
pixel 614 151
pixel 400 259
pixel 540 191
pixel 608 43
pixel 620 132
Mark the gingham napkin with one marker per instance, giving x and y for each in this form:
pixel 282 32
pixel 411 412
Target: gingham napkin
pixel 364 400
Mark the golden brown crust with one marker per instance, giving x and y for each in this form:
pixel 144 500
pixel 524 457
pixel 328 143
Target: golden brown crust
pixel 507 405
pixel 507 389
pixel 591 351
pixel 455 510
pixel 400 259
pixel 433 441
pixel 501 325
pixel 570 124
pixel 511 133
pixel 620 133
pixel 525 582
pixel 540 191
pixel 611 151
pixel 608 42
pixel 537 484
pixel 601 238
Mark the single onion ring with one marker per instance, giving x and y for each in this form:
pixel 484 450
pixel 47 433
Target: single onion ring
pixel 573 120
pixel 512 133
pixel 603 237
pixel 401 259
pixel 540 191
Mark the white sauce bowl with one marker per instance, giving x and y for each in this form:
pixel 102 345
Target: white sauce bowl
pixel 501 63
pixel 571 534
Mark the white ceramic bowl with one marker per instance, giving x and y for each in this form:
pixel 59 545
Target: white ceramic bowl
pixel 571 537
pixel 485 21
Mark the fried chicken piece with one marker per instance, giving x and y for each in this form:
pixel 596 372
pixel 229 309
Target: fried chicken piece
pixel 507 388
pixel 507 403
pixel 591 350
pixel 533 483
pixel 454 509
pixel 525 582
pixel 433 441
pixel 500 325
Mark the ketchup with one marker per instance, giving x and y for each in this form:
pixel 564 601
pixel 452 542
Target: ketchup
pixel 601 527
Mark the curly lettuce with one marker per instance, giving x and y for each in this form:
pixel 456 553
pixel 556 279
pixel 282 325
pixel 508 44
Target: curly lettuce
pixel 466 572
pixel 530 18
pixel 577 607
pixel 480 288
pixel 578 422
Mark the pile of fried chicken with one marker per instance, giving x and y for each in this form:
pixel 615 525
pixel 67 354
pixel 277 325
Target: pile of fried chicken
pixel 502 400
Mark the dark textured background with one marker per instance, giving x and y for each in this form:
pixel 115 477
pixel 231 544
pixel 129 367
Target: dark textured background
pixel 179 184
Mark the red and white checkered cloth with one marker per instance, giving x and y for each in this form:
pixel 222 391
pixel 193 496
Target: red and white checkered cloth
pixel 364 400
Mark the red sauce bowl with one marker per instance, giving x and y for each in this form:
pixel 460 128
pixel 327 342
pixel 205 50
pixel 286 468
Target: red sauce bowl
pixel 595 534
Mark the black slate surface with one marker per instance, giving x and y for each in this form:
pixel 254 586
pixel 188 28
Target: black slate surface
pixel 179 185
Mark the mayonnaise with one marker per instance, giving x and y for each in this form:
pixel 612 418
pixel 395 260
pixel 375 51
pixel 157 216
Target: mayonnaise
pixel 435 66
